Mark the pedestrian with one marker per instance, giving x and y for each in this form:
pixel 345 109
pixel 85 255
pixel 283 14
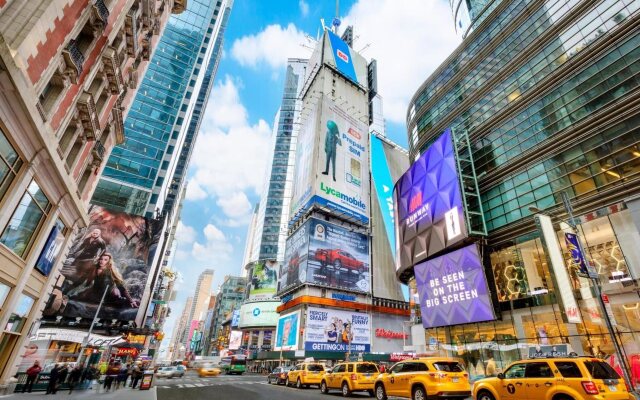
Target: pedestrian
pixel 121 380
pixel 32 374
pixel 136 374
pixel 62 378
pixel 54 375
pixel 112 374
pixel 74 377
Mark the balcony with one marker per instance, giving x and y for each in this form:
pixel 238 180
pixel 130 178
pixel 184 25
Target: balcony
pixel 98 152
pixel 101 11
pixel 88 115
pixel 118 122
pixel 179 6
pixel 131 28
pixel 146 46
pixel 111 63
pixel 74 60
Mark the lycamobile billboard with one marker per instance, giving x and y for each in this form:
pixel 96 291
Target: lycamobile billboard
pixel 430 213
pixel 453 289
pixel 332 165
pixel 337 330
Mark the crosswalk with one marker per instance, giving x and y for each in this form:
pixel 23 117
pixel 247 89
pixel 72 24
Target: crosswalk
pixel 193 382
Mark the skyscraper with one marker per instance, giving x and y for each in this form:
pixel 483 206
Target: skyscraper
pixel 202 295
pixel 180 330
pixel 161 120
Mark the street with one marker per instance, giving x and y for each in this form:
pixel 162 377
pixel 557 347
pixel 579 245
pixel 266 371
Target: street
pixel 240 387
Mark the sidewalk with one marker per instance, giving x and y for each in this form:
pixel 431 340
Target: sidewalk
pixel 120 394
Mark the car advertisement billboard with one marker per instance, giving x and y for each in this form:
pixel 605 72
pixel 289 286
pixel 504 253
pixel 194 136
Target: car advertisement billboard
pixel 339 180
pixel 258 314
pixel 337 330
pixel 326 254
pixel 453 289
pixel 287 331
pixel 429 210
pixel 264 280
pixel 112 256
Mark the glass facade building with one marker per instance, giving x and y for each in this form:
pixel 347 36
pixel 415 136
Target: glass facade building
pixel 546 92
pixel 161 115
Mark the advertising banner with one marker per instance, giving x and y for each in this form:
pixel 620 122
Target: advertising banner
pixel 383 182
pixel 327 254
pixel 235 340
pixel 258 314
pixel 235 318
pixel 114 254
pixel 74 336
pixel 264 280
pixel 577 260
pixel 287 332
pixel 453 289
pixel 558 350
pixel 430 213
pixel 345 60
pixel 340 179
pixel 50 252
pixel 337 330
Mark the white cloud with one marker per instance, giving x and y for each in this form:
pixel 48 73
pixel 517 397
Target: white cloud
pixel 185 233
pixel 236 205
pixel 272 47
pixel 409 39
pixel 304 8
pixel 216 247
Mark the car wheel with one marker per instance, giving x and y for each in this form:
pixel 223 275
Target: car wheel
pixel 286 382
pixel 381 394
pixel 419 393
pixel 298 384
pixel 323 387
pixel 346 392
pixel 485 395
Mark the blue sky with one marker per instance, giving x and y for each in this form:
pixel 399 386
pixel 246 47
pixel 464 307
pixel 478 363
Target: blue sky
pixel 408 38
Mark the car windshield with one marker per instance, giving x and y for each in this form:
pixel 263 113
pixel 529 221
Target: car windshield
pixel 448 366
pixel 315 367
pixel 208 366
pixel 601 370
pixel 367 368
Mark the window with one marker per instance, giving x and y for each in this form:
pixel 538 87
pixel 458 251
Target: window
pixel 601 370
pixel 10 163
pixel 4 292
pixel 515 372
pixel 315 368
pixel 350 368
pixel 339 368
pixel 568 369
pixel 26 219
pixel 367 368
pixel 538 370
pixel 397 368
pixel 448 366
pixel 410 367
pixel 19 316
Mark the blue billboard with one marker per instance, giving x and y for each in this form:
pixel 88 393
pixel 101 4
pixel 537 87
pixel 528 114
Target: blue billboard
pixel 383 182
pixel 342 56
pixel 50 251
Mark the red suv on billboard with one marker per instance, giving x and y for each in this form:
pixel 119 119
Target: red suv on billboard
pixel 339 258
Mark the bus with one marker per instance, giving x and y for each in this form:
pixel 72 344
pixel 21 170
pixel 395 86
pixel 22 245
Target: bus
pixel 236 364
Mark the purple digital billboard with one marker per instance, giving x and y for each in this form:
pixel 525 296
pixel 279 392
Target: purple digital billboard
pixel 453 289
pixel 429 210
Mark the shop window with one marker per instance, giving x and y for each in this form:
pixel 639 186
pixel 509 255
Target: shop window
pixel 10 163
pixel 7 345
pixel 604 250
pixel 19 317
pixel 26 219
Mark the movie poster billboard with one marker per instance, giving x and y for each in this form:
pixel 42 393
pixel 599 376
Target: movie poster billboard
pixel 338 144
pixel 264 280
pixel 329 329
pixel 453 289
pixel 325 254
pixel 112 256
pixel 287 331
pixel 235 340
pixel 429 209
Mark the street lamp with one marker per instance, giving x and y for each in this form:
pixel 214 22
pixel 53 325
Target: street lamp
pixel 596 288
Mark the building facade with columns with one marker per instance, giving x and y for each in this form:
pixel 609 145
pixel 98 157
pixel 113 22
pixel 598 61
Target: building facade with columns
pixel 68 71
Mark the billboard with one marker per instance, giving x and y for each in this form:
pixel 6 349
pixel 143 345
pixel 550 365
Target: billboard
pixel 347 62
pixel 429 209
pixel 384 187
pixel 336 145
pixel 258 314
pixel 326 254
pixel 50 251
pixel 337 330
pixel 287 331
pixel 112 256
pixel 453 289
pixel 235 340
pixel 264 280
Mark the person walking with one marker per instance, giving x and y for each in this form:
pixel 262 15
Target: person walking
pixel 121 380
pixel 136 374
pixel 54 375
pixel 32 375
pixel 74 377
pixel 112 374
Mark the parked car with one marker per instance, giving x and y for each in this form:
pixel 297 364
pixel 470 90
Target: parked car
pixel 278 375
pixel 304 375
pixel 166 372
pixel 577 378
pixel 350 377
pixel 339 259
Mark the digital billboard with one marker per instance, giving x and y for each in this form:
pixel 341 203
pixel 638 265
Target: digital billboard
pixel 383 183
pixel 453 289
pixel 112 256
pixel 258 314
pixel 326 254
pixel 336 146
pixel 287 331
pixel 329 329
pixel 264 280
pixel 429 210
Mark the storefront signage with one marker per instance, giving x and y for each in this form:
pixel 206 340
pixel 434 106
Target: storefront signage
pixel 383 333
pixel 129 351
pixel 235 339
pixel 429 209
pixel 69 335
pixel 558 350
pixel 343 297
pixel 401 356
pixel 337 330
pixel 453 289
pixel 265 347
pixel 577 258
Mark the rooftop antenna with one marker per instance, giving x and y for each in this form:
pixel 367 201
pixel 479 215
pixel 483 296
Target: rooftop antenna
pixel 336 20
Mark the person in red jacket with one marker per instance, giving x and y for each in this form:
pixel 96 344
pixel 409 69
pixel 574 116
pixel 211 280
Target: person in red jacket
pixel 32 374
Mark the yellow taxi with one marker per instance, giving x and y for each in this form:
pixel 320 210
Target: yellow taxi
pixel 350 377
pixel 304 375
pixel 422 378
pixel 572 378
pixel 208 370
